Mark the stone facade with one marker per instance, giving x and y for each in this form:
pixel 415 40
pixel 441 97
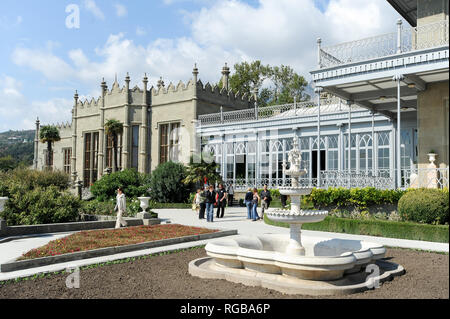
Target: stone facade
pixel 84 150
pixel 432 121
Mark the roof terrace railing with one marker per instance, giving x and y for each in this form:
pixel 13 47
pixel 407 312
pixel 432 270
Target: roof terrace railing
pixel 331 105
pixel 404 40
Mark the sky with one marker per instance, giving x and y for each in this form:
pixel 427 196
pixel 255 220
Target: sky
pixel 50 48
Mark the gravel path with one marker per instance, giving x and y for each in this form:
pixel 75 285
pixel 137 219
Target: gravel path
pixel 427 276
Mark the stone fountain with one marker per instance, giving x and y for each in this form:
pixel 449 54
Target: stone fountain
pixel 315 265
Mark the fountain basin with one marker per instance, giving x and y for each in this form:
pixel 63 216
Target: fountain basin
pixel 302 217
pixel 324 259
pixel 295 191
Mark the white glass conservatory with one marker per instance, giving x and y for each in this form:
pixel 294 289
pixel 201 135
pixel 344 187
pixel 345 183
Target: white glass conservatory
pixel 251 145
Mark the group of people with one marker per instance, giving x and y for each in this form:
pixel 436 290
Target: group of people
pixel 205 199
pixel 252 198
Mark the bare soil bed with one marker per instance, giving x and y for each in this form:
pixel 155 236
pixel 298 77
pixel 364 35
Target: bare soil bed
pixel 166 276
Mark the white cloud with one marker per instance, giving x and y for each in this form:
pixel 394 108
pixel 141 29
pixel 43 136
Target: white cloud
pixel 92 7
pixel 17 112
pixel 121 10
pixel 276 32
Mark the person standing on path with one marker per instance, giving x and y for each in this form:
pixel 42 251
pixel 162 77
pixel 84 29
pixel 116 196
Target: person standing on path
pixel 201 214
pixel 255 201
pixel 248 202
pixel 121 206
pixel 221 201
pixel 230 193
pixel 210 195
pixel 266 198
pixel 197 201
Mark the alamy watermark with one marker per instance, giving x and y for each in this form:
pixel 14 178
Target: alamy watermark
pixel 73 19
pixel 73 280
pixel 373 280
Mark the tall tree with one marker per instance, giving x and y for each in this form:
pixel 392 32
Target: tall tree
pixel 284 84
pixel 49 134
pixel 113 128
pixel 248 76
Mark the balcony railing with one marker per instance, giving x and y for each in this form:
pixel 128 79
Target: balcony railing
pixel 332 105
pixel 406 39
pixel 380 179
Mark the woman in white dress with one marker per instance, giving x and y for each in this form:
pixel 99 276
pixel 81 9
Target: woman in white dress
pixel 121 206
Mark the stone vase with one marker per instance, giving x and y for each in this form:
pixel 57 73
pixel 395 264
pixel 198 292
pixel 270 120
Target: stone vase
pixel 144 203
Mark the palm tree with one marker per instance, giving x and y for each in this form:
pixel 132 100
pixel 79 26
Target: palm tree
pixel 112 129
pixel 199 169
pixel 49 134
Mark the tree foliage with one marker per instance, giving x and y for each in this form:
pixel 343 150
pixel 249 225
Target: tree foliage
pixel 167 183
pixel 49 134
pixel 275 84
pixel 201 167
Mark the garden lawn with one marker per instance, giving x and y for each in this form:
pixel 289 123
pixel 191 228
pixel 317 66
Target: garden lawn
pixel 94 239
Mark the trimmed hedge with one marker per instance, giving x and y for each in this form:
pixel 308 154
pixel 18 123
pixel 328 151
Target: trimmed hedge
pixel 425 205
pixel 358 197
pixel 381 228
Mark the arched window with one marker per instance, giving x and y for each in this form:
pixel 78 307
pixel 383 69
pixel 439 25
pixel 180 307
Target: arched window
pixel 365 153
pixel 276 160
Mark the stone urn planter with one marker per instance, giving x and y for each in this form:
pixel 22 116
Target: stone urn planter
pixel 144 205
pixel 432 157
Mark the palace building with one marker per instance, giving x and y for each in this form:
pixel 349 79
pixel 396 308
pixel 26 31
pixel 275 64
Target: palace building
pixel 380 118
pixel 158 126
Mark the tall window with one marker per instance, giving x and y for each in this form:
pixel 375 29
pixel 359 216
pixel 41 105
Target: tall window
pixel 135 146
pixel 169 139
pixel 352 152
pixel 174 142
pixel 110 151
pixel 333 157
pixel 230 160
pixel 365 153
pixel 383 150
pixel 67 160
pixel 90 158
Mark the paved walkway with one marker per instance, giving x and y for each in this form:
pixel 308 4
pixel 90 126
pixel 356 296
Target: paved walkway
pixel 235 218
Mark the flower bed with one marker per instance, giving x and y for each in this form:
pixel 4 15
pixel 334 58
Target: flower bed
pixel 89 240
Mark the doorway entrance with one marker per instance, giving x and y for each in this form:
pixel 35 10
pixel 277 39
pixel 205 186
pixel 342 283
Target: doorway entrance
pixel 314 162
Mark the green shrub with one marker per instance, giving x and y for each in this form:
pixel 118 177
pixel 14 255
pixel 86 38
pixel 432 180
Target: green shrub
pixel 134 184
pixel 357 197
pixel 39 206
pixel 166 184
pixel 383 228
pixel 425 206
pixel 31 179
pixel 95 207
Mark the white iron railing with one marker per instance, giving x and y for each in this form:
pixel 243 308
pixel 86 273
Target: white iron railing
pixel 380 179
pixel 332 105
pixel 404 40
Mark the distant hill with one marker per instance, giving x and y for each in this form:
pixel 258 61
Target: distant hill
pixel 18 145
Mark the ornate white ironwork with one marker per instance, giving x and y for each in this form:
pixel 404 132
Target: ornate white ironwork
pixel 328 106
pixel 380 179
pixel 421 37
